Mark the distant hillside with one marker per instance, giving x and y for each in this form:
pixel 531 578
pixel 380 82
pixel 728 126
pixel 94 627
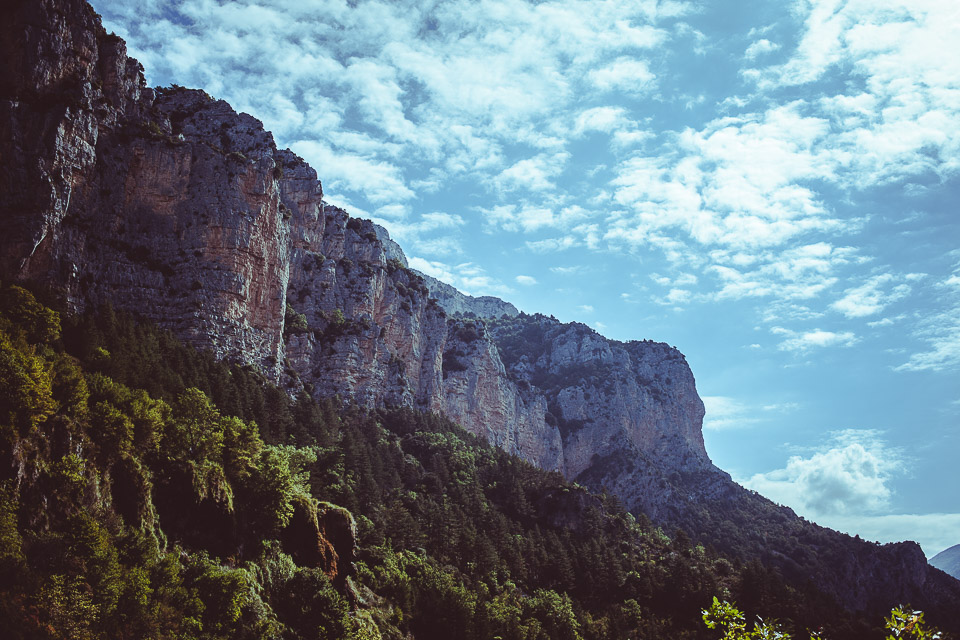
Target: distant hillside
pixel 948 560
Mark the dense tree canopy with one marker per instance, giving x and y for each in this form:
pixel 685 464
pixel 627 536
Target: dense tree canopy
pixel 149 491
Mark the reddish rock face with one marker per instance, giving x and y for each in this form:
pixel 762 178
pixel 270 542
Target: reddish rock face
pixel 322 536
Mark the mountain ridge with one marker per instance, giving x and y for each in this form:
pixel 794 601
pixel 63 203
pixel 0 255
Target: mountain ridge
pixel 948 561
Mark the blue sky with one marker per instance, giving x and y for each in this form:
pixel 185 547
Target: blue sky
pixel 771 187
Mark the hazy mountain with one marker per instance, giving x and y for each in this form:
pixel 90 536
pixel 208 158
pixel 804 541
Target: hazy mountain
pixel 948 560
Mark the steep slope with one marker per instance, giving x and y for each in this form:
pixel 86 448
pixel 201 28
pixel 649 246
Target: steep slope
pixel 948 561
pixel 169 203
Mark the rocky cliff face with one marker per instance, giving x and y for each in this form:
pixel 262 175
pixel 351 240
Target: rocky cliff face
pixel 163 202
pixel 169 203
pixel 628 414
pixel 370 331
pixel 457 303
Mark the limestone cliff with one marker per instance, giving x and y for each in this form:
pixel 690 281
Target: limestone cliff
pixel 370 332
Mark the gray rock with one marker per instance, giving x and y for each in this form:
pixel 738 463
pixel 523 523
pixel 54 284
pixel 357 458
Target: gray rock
pixel 455 303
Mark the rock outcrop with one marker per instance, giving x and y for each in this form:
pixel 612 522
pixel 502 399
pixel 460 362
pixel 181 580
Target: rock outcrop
pixel 456 303
pixel 628 414
pixel 322 535
pixel 165 202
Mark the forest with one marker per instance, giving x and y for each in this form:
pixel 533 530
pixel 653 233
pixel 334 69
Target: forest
pixel 148 490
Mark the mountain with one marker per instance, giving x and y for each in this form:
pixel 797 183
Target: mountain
pixel 948 561
pixel 168 203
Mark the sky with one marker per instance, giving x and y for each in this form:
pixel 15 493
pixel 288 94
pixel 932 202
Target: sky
pixel 772 187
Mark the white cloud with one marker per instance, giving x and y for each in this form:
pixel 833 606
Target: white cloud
pixel 526 280
pixel 870 298
pixel 468 277
pixel 723 412
pixel 414 235
pixel 379 181
pixel 741 188
pixel 759 48
pixel 845 485
pixel 940 330
pixel 585 308
pixel 900 118
pixel 438 270
pixel 513 218
pixel 624 74
pixel 677 297
pixel 568 270
pixel 603 119
pixel 411 88
pixel 680 280
pixel 848 477
pixel 806 340
pixel 552 245
pixel 533 174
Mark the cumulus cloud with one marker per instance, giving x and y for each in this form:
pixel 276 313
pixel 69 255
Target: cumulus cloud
pixel 849 476
pixel 759 48
pixel 524 218
pixel 526 281
pixel 437 269
pixel 845 485
pixel 603 119
pixel 534 174
pixel 624 74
